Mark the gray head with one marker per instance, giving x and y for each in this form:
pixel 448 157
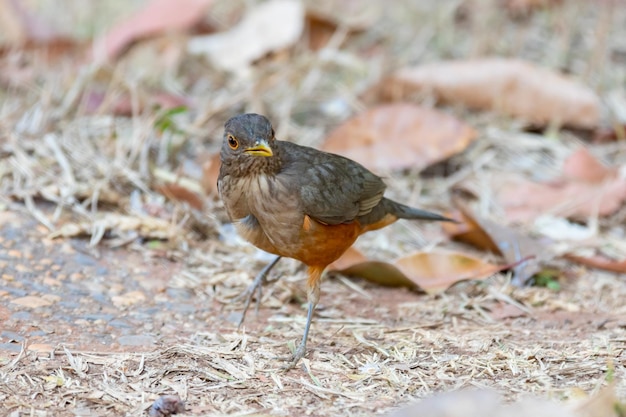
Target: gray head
pixel 249 146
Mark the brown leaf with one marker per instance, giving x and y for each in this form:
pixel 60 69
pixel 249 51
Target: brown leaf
pixel 512 87
pixel 523 252
pixel 179 192
pixel 397 136
pixel 467 230
pixel 354 264
pixel 280 22
pixel 210 172
pixel 600 262
pixel 585 189
pixel 157 17
pixel 583 166
pixel 437 271
pixel 433 272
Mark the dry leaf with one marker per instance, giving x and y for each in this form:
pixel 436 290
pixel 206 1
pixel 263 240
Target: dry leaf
pixel 179 192
pixel 585 189
pixel 270 26
pixel 354 264
pixel 599 262
pixel 525 254
pixel 467 230
pixel 397 136
pixel 210 172
pixel 433 272
pixel 437 271
pixel 157 17
pixel 513 87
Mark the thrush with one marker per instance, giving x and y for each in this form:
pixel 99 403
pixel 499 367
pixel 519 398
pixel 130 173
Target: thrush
pixel 298 202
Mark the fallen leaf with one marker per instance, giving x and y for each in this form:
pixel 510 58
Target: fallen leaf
pixel 581 165
pixel 157 17
pixel 210 172
pixel 181 193
pixel 179 188
pixel 512 87
pixel 433 272
pixel 401 135
pixel 467 230
pixel 354 264
pixel 270 26
pixel 525 254
pixel 599 262
pixel 584 190
pixel 32 301
pixel 437 271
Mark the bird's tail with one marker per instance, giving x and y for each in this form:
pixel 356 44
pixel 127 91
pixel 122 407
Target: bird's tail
pixel 411 213
pixel 388 211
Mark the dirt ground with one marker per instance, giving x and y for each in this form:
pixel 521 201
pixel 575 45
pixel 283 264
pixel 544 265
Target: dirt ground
pixel 106 307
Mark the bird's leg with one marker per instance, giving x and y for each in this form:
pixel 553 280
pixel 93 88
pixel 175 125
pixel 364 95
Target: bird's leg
pixel 313 295
pixel 256 286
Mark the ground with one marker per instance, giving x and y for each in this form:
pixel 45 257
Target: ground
pixel 106 307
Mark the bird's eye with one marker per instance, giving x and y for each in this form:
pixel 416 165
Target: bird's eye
pixel 232 142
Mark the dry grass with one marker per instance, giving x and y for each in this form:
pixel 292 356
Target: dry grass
pixel 372 348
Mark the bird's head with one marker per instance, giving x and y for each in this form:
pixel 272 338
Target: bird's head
pixel 249 145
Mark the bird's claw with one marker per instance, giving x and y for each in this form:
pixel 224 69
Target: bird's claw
pixel 293 359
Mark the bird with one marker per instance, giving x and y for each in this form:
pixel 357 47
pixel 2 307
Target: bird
pixel 298 202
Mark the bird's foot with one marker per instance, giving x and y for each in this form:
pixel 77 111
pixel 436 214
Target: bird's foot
pixel 293 360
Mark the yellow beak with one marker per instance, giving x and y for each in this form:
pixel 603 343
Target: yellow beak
pixel 260 148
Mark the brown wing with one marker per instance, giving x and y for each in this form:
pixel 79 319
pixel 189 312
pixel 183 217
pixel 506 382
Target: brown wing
pixel 332 189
